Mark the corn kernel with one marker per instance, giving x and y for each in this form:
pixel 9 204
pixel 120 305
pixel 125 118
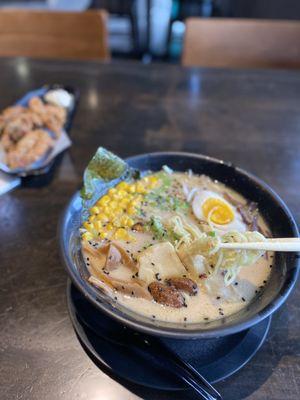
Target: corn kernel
pixel 120 233
pixel 111 214
pixel 153 179
pixel 104 200
pixel 124 202
pixel 134 203
pixel 102 217
pixel 123 220
pixel 130 222
pixel 123 185
pixel 140 188
pixel 116 222
pixel 92 218
pixel 152 185
pixel 113 204
pixel 94 210
pixel 109 226
pixel 122 193
pixel 132 188
pixel 87 225
pixel 87 236
pixel 112 191
pixel 118 210
pixel 131 210
pixel 103 235
pixel 116 196
pixel 98 225
pixel 106 209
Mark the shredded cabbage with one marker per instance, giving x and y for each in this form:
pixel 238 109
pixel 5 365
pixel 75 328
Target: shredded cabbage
pixel 230 261
pixel 191 242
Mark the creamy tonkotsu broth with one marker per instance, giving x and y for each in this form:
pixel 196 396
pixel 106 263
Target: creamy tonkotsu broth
pixel 153 245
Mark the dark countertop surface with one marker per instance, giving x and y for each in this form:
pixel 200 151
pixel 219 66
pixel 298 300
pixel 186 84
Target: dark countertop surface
pixel 251 118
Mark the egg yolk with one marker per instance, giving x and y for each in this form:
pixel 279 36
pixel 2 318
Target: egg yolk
pixel 220 212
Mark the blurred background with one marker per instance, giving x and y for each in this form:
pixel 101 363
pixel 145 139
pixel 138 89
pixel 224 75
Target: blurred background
pixel 153 30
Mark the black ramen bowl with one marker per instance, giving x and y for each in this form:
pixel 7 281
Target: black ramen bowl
pixel 281 223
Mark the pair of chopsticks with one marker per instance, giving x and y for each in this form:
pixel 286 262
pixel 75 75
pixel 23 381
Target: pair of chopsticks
pixel 280 244
pixel 171 361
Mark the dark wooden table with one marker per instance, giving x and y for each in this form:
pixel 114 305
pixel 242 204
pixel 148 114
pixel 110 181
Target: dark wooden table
pixel 251 118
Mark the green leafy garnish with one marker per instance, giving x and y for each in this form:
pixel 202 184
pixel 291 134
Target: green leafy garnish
pixel 212 234
pixel 161 197
pixel 166 180
pixel 157 227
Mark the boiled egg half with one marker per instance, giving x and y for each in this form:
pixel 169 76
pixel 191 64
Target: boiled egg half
pixel 212 208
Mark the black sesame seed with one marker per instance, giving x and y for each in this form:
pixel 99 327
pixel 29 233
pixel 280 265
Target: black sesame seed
pixel 243 298
pixel 185 318
pixel 265 281
pixel 152 263
pixel 206 319
pixel 236 283
pixel 132 293
pixel 256 291
pixel 133 276
pixel 218 297
pixel 271 266
pixel 115 298
pixel 153 316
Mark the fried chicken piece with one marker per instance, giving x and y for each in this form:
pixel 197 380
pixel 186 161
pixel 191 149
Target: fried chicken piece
pixel 15 129
pixel 8 114
pixel 53 117
pixel 11 112
pixel 29 149
pixel 36 105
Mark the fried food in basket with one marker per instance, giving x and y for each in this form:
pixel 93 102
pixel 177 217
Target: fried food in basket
pixel 24 131
pixel 53 117
pixel 29 149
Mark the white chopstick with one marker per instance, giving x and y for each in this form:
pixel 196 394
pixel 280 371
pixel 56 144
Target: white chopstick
pixel 282 244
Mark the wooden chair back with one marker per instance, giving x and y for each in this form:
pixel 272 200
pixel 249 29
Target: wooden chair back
pixel 241 43
pixel 48 34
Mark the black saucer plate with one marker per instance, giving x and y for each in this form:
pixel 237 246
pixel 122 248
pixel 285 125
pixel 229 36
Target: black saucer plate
pixel 216 359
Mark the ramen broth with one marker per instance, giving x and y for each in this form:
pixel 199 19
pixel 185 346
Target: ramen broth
pixel 130 229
